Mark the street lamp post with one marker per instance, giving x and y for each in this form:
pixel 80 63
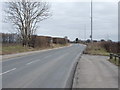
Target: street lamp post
pixel 91 36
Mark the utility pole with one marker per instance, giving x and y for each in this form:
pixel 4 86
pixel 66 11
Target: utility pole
pixel 91 36
pixel 85 32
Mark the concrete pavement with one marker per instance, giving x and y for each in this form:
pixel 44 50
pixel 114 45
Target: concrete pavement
pixel 95 72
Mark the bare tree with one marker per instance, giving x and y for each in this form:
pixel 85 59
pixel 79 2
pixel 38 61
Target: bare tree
pixel 26 15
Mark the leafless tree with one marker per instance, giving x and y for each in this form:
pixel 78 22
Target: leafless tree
pixel 26 15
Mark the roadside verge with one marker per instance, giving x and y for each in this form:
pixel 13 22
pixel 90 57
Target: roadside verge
pixel 4 57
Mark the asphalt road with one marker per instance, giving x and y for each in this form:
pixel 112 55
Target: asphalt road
pixel 48 69
pixel 96 72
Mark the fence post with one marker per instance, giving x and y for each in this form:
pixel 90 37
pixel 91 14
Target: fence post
pixel 111 56
pixel 115 59
pixel 119 59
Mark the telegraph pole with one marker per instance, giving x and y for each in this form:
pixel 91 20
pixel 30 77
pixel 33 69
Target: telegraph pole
pixel 91 36
pixel 85 32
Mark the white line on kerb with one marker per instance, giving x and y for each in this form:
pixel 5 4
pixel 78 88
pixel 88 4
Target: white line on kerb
pixel 7 71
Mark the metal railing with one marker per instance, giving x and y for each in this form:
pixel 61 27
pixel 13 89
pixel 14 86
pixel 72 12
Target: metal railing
pixel 115 57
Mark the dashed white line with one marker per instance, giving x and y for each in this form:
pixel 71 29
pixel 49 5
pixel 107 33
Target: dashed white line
pixel 7 71
pixel 31 62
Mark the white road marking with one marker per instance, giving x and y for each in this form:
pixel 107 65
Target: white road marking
pixel 31 62
pixel 7 71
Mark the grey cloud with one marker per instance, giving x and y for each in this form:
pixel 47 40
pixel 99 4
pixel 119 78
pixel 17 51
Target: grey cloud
pixel 69 19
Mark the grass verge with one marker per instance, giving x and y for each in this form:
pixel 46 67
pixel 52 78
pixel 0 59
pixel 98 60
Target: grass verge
pixel 17 48
pixel 98 49
pixel 95 49
pixel 116 62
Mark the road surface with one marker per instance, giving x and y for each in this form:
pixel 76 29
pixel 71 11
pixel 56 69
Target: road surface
pixel 48 69
pixel 96 72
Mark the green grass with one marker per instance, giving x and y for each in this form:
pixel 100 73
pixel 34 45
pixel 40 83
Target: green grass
pixel 116 62
pixel 96 49
pixel 12 49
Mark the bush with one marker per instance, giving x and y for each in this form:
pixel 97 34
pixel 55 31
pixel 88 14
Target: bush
pixel 111 47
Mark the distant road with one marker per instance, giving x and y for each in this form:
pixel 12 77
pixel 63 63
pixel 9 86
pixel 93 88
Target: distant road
pixel 48 69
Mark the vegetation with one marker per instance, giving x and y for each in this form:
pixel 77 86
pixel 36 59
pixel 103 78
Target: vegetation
pixel 25 16
pixel 104 48
pixel 11 43
pixel 116 62
pixel 18 48
pixel 96 48
pixel 11 48
pixel 115 58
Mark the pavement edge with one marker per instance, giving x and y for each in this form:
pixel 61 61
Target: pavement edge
pixel 70 79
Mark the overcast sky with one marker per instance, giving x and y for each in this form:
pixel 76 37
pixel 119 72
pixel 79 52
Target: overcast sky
pixel 72 19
